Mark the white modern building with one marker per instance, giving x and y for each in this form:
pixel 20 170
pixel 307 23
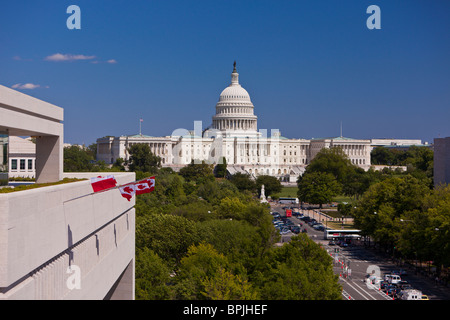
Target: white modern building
pixel 59 242
pixel 21 158
pixel 234 136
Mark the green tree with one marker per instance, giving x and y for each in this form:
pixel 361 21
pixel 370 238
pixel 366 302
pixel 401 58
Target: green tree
pixel 167 235
pixel 425 234
pixel 271 184
pixel 152 276
pixel 92 150
pixel 385 204
pixel 299 270
pixel 220 171
pixel 119 164
pixel 142 159
pixel 197 172
pixel 384 156
pixel 238 240
pixel 226 286
pixel 318 188
pixel 77 159
pixel 201 262
pixel 243 182
pixel 333 161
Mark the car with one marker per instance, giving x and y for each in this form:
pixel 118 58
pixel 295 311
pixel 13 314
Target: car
pixel 383 285
pixel 319 227
pixel 342 244
pixel 285 231
pixel 404 285
pixel 304 230
pixel 425 297
pixel 391 290
pixel 295 229
pixel 394 278
pixel 331 243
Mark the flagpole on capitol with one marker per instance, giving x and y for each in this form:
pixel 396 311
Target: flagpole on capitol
pixel 140 123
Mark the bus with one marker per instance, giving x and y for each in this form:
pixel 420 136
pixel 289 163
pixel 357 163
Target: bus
pixel 288 200
pixel 341 234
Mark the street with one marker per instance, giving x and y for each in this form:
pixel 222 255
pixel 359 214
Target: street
pixel 354 262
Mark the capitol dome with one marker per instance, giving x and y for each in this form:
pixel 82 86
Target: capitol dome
pixel 235 93
pixel 235 110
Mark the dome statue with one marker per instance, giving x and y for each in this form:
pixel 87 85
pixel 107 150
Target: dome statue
pixel 262 197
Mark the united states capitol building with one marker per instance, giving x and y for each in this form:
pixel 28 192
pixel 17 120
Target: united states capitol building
pixel 233 135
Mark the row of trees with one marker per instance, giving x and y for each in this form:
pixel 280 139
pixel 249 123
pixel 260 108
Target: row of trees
pixel 200 237
pixel 401 211
pixel 331 173
pixel 84 159
pixel 407 218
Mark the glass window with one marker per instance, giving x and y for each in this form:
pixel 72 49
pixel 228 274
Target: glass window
pixel 22 164
pixel 13 164
pixel 30 164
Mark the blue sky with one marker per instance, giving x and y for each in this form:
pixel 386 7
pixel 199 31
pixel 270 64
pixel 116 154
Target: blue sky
pixel 307 65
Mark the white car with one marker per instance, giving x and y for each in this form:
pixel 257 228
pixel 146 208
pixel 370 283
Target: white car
pixel 394 278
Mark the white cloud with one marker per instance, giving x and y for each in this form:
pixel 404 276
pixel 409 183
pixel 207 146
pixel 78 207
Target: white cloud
pixel 29 86
pixel 112 61
pixel 68 57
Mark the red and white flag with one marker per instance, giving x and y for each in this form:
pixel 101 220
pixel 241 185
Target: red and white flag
pixel 128 191
pixel 102 183
pixel 145 186
pixel 151 183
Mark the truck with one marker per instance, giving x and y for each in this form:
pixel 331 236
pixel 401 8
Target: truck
pixel 410 294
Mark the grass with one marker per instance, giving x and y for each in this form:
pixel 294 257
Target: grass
pixel 38 185
pixel 288 192
pixel 343 198
pixel 336 225
pixel 291 192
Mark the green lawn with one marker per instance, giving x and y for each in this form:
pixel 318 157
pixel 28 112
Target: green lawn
pixel 291 192
pixel 288 192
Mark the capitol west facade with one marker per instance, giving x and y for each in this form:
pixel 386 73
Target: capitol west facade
pixel 234 135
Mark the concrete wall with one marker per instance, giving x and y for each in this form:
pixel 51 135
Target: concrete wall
pixel 45 231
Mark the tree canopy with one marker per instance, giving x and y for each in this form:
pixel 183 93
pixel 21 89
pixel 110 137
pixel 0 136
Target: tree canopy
pixel 318 188
pixel 200 239
pixel 271 184
pixel 142 159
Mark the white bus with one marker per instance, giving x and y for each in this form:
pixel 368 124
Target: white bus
pixel 344 234
pixel 288 200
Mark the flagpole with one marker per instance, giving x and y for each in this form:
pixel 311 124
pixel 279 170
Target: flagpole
pixel 140 123
pixel 109 189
